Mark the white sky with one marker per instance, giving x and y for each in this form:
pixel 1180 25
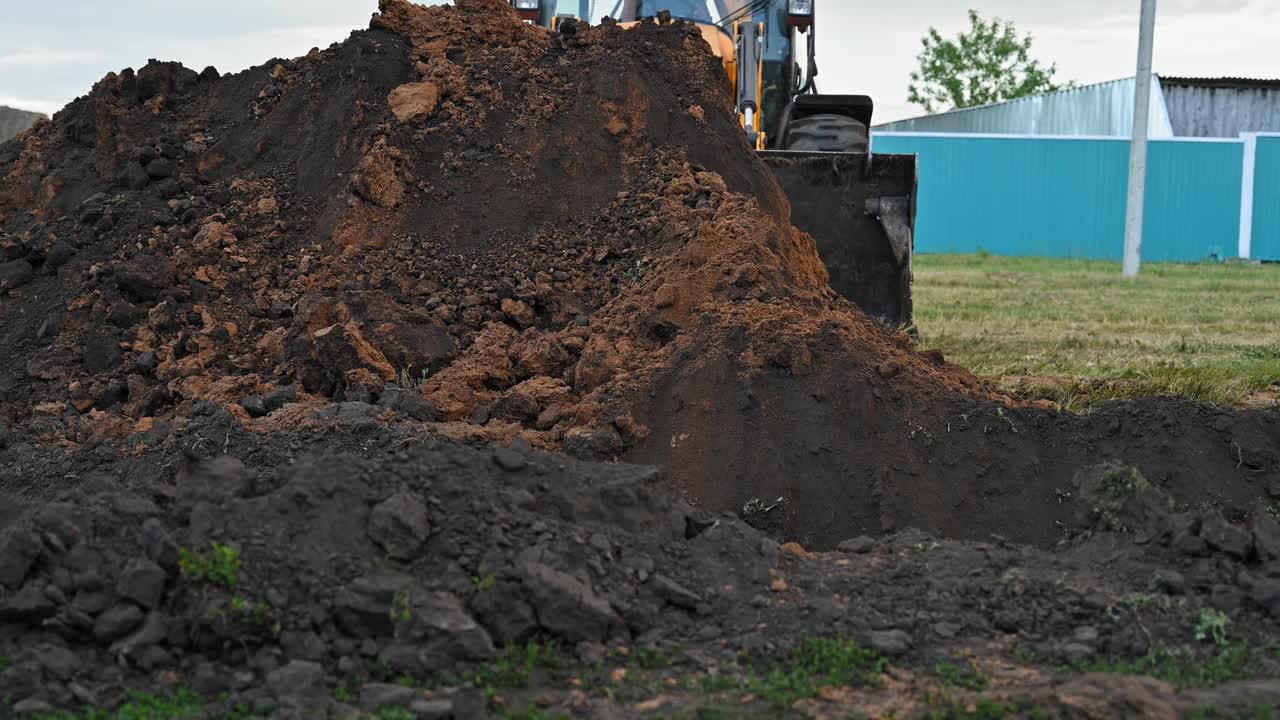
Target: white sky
pixel 48 58
pixel 1090 40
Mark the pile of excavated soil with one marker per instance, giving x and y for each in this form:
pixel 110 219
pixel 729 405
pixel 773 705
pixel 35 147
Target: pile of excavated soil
pixel 306 374
pixel 338 573
pixel 501 232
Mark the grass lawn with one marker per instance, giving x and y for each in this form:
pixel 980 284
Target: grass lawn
pixel 1077 332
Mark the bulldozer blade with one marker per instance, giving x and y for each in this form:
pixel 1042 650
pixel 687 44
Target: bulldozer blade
pixel 861 211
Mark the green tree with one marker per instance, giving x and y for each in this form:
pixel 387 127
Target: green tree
pixel 988 63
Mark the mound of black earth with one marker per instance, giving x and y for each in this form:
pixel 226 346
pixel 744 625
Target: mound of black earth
pixel 358 571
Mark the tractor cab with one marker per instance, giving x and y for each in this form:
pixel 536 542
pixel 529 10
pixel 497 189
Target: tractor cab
pixel 767 75
pixel 700 11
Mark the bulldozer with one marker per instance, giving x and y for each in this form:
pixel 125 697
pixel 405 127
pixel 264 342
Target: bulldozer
pixel 858 206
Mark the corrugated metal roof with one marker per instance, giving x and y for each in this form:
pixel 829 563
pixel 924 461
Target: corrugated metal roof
pixel 1102 109
pixel 1220 82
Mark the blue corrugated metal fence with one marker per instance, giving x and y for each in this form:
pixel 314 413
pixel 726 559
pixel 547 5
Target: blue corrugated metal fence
pixel 1193 200
pixel 1065 197
pixel 1265 243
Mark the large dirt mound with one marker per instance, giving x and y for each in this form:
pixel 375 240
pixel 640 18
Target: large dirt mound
pixel 498 231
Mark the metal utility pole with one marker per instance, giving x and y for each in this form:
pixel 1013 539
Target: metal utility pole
pixel 1138 146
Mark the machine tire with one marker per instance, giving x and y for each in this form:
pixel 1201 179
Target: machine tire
pixel 826 133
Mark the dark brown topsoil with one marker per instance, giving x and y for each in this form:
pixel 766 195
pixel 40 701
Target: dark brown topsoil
pixel 457 228
pixel 377 569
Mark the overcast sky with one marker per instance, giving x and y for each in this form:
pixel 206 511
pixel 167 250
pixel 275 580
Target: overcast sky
pixel 48 58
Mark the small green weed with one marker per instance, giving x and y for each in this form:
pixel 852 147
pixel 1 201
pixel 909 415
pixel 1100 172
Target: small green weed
pixel 483 581
pixel 258 613
pixel 182 703
pixel 1120 483
pixel 392 713
pixel 1186 669
pixel 1214 626
pixel 1137 602
pixel 345 692
pixel 816 663
pixel 178 705
pixel 714 683
pixel 1117 486
pixel 220 566
pixel 1142 600
pixel 515 667
pixel 985 709
pixel 5 663
pixel 647 659
pixel 635 272
pixel 967 677
pixel 401 610
pixel 409 381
